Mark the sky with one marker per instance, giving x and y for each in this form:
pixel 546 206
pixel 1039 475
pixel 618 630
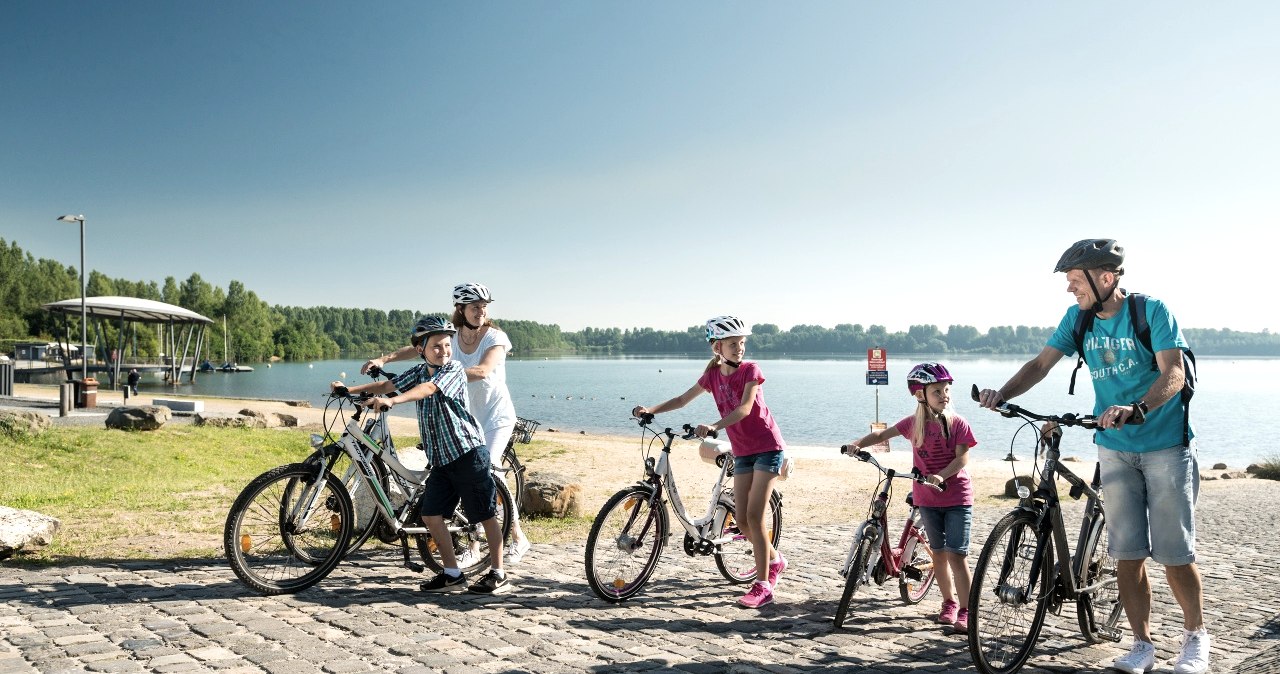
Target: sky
pixel 654 164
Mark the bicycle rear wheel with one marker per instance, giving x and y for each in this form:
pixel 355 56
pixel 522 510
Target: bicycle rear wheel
pixel 1098 611
pixel 469 540
pixel 736 558
pixel 856 575
pixel 513 475
pixel 916 577
pixel 287 530
pixel 625 543
pixel 1006 605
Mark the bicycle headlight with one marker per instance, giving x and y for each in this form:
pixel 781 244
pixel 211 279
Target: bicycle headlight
pixel 1024 491
pixel 316 440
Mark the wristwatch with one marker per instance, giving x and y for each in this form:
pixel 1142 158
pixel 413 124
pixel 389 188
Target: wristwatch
pixel 1140 407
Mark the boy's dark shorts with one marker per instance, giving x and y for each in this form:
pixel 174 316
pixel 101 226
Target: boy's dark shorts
pixel 468 479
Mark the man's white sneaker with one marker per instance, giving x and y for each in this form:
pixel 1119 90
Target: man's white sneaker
pixel 1139 660
pixel 1194 658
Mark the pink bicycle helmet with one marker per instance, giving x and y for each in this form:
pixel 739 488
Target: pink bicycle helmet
pixel 927 373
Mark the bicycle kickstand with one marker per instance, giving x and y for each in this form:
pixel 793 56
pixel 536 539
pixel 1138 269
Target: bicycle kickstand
pixel 409 563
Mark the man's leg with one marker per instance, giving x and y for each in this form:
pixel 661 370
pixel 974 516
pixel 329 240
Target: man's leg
pixel 1135 595
pixel 1187 589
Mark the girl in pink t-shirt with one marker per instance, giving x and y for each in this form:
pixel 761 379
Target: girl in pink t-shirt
pixel 757 442
pixel 940 442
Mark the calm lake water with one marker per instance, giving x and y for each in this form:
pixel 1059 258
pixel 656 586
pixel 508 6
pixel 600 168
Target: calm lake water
pixel 817 402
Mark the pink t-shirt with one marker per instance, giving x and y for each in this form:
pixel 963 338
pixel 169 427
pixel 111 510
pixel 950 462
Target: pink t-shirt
pixel 933 455
pixel 755 433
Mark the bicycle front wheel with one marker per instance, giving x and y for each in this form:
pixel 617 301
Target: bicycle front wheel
pixel 736 558
pixel 917 568
pixel 364 505
pixel 856 575
pixel 1006 604
pixel 287 530
pixel 469 540
pixel 1098 611
pixel 625 543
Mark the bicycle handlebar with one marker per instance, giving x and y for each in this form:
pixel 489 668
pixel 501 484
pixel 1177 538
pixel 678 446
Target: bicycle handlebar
pixel 1008 409
pixel 645 419
pixel 915 475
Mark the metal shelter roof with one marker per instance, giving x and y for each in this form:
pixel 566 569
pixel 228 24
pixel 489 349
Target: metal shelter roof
pixel 130 308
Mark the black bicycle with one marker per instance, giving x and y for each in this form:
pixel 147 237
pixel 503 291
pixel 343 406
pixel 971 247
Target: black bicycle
pixel 1027 569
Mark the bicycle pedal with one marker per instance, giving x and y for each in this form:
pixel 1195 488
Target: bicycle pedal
pixel 912 572
pixel 415 567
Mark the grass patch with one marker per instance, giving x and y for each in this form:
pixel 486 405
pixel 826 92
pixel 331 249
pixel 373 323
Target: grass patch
pixel 127 495
pixel 1269 469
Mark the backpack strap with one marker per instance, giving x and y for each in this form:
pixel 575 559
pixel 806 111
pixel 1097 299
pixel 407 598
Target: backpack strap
pixel 1084 323
pixel 1138 314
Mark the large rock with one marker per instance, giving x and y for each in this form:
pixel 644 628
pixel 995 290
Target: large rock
pixel 552 494
pixel 144 418
pixel 23 422
pixel 21 528
pixel 230 421
pixel 272 419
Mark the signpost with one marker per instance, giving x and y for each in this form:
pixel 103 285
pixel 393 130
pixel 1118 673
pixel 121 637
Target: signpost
pixel 878 375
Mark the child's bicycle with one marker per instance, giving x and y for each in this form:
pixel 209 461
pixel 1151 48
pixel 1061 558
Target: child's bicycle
pixel 870 555
pixel 1026 567
pixel 291 526
pixel 628 535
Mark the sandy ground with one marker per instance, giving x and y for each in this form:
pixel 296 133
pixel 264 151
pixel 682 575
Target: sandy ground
pixel 826 488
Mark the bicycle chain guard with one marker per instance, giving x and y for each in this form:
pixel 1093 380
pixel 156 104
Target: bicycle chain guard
pixel 697 546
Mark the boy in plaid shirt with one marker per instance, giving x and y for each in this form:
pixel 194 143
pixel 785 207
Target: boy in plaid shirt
pixel 459 460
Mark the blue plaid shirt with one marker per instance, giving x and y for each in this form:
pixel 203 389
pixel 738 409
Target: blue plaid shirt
pixel 447 428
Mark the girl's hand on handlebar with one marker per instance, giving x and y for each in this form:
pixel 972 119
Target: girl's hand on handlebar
pixel 639 411
pixel 370 364
pixel 703 430
pixel 338 388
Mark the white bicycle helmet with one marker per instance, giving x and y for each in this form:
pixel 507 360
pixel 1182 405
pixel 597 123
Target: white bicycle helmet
pixel 467 293
pixel 722 327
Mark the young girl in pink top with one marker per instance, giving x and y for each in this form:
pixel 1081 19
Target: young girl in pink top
pixel 757 443
pixel 940 442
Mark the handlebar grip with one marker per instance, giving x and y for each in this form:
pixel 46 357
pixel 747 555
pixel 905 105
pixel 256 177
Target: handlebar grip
pixel 341 391
pixel 689 428
pixel 974 393
pixel 645 418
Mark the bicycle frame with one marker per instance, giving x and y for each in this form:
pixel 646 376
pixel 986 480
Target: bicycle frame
pixel 660 476
pixel 878 525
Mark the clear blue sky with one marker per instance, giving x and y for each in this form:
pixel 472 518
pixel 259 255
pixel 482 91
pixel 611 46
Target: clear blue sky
pixel 620 164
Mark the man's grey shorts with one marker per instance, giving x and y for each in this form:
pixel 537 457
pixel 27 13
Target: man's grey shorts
pixel 1151 503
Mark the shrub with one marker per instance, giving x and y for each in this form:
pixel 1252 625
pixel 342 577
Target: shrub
pixel 1269 469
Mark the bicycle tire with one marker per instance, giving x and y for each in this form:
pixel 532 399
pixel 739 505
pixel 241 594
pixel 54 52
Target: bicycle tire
pixel 855 576
pixel 737 563
pixel 470 543
pixel 1099 611
pixel 1003 631
pixel 263 541
pixel 625 544
pixel 513 474
pixel 916 554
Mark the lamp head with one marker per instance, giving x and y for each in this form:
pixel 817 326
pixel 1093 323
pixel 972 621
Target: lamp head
pixel 71 218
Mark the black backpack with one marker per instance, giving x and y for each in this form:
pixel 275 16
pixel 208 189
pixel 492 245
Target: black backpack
pixel 1138 314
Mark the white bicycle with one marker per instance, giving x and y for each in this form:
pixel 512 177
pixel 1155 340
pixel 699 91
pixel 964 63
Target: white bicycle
pixel 628 535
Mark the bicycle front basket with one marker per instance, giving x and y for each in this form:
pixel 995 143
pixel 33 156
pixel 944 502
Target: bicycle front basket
pixel 523 432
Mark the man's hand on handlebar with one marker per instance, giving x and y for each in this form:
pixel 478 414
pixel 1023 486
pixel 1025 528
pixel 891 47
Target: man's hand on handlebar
pixel 990 398
pixel 1117 416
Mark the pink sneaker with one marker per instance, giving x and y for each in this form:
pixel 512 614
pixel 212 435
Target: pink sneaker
pixel 758 596
pixel 775 570
pixel 949 610
pixel 961 625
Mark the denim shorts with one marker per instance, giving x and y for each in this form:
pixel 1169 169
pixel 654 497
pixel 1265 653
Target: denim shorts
pixel 948 528
pixel 467 479
pixel 1158 487
pixel 769 462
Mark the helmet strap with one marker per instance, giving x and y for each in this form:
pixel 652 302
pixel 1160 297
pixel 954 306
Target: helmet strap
pixel 1098 299
pixel 730 363
pixel 469 325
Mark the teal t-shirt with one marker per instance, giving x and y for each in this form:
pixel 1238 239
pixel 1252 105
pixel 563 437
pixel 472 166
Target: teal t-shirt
pixel 1122 372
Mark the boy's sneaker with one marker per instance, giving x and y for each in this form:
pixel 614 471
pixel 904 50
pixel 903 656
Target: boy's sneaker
pixel 517 551
pixel 443 582
pixel 1139 660
pixel 950 610
pixel 1194 658
pixel 961 625
pixel 759 595
pixel 776 567
pixel 491 583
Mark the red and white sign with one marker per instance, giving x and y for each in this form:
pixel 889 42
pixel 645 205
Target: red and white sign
pixel 877 359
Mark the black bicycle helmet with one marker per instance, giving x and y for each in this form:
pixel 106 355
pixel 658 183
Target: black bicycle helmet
pixel 430 325
pixel 1092 254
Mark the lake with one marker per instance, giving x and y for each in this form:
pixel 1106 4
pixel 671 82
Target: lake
pixel 818 402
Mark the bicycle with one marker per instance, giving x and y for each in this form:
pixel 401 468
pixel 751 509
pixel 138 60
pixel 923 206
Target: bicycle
pixel 1026 567
pixel 870 556
pixel 512 470
pixel 629 533
pixel 291 526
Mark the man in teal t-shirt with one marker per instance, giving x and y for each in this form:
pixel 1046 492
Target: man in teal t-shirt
pixel 1150 472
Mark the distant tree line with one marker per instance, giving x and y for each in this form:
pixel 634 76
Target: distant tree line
pixel 257 331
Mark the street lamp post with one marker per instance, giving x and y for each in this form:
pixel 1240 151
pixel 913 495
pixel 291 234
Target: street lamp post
pixel 84 314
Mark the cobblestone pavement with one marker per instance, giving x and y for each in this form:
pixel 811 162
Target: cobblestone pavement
pixel 195 616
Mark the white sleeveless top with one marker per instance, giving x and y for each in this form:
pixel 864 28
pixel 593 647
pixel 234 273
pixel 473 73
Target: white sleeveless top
pixel 488 399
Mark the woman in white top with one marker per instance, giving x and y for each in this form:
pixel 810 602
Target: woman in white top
pixel 482 349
